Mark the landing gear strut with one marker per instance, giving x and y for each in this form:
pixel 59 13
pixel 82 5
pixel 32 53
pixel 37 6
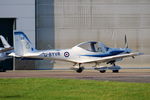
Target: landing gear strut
pixel 78 68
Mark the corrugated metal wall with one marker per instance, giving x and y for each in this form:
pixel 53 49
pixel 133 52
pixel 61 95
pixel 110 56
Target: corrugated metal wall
pixel 45 37
pixel 106 21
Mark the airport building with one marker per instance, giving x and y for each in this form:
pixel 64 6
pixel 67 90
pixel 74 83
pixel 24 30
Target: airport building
pixel 64 23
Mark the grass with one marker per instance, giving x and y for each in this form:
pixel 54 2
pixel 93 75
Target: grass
pixel 71 89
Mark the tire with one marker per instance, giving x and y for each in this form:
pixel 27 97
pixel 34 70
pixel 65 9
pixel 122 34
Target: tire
pixel 79 70
pixel 115 71
pixel 102 71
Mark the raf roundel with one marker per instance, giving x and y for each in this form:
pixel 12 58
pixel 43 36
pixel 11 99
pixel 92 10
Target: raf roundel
pixel 66 54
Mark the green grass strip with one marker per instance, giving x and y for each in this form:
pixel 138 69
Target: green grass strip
pixel 71 89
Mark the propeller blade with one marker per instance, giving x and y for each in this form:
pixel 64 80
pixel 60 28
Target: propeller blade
pixel 126 42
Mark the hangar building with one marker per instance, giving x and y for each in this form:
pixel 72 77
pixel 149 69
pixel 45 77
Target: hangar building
pixel 65 23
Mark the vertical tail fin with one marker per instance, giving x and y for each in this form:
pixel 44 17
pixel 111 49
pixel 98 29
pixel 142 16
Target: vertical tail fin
pixel 22 44
pixel 5 43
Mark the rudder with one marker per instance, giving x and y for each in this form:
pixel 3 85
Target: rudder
pixel 22 44
pixel 5 43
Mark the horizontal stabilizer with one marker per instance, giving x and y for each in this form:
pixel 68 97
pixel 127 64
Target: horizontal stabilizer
pixel 6 49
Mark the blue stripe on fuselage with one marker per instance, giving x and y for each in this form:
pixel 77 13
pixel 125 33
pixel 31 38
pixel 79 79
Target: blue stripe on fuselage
pixel 111 53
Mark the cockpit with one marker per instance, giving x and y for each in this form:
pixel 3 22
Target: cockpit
pixel 91 46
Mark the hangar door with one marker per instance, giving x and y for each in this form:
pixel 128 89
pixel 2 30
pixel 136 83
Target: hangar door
pixel 6 29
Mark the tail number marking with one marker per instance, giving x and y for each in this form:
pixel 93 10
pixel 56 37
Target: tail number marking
pixel 51 54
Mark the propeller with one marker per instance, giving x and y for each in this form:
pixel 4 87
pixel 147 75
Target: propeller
pixel 126 42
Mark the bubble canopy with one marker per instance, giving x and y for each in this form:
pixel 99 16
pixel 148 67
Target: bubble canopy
pixel 92 46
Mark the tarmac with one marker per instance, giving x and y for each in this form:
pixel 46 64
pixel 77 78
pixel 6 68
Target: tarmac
pixel 140 76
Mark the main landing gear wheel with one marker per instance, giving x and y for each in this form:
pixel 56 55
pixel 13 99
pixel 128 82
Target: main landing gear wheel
pixel 102 71
pixel 115 71
pixel 80 70
pixel 115 68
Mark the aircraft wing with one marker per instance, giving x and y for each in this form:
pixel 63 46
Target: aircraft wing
pixel 6 49
pixel 111 58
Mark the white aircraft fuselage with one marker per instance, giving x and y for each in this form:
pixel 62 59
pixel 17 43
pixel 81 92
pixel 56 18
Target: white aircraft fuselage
pixel 75 55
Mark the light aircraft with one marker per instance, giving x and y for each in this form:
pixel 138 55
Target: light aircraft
pixel 4 51
pixel 86 52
